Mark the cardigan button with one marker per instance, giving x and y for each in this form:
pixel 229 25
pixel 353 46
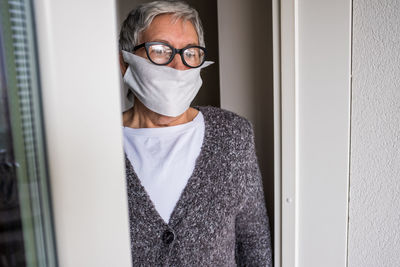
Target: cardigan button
pixel 168 237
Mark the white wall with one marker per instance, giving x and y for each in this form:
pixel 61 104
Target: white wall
pixel 374 215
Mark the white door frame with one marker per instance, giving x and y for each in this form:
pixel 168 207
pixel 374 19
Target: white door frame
pixel 312 122
pixel 79 73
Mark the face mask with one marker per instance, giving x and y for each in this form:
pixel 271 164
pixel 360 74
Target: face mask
pixel 164 90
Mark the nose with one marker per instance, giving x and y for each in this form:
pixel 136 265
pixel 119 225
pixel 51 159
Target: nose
pixel 177 63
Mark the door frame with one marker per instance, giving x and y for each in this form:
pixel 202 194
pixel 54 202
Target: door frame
pixel 79 73
pixel 312 86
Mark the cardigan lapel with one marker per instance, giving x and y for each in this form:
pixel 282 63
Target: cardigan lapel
pixel 141 195
pixel 199 182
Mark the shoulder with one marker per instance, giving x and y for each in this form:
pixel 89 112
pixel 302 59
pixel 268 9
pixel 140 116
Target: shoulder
pixel 229 142
pixel 226 119
pixel 227 126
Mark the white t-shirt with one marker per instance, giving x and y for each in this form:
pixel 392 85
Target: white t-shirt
pixel 164 159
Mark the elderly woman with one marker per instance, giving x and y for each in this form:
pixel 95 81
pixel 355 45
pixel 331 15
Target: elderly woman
pixel 194 186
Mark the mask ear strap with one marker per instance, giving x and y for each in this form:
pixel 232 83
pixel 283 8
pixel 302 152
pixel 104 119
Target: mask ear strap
pixel 122 64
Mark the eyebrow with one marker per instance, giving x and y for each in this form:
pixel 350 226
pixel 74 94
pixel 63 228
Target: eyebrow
pixel 165 41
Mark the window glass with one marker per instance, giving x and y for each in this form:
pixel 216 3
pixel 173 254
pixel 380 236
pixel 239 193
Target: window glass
pixel 25 221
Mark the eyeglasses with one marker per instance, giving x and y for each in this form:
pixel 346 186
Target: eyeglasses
pixel 159 53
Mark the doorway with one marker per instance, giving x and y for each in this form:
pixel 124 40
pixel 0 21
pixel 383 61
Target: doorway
pixel 239 39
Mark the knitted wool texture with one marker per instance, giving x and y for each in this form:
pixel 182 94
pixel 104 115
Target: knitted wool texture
pixel 220 218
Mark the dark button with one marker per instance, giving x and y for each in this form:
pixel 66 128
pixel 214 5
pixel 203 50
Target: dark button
pixel 168 237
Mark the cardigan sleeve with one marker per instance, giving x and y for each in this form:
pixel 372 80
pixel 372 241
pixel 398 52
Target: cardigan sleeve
pixel 253 241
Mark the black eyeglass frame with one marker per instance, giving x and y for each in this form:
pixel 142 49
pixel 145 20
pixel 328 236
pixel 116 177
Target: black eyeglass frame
pixel 175 51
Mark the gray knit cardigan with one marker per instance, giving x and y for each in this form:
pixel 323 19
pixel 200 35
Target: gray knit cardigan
pixel 220 218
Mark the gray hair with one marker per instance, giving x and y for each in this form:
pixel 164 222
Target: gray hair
pixel 140 19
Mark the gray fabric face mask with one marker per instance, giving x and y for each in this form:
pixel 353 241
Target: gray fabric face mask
pixel 164 90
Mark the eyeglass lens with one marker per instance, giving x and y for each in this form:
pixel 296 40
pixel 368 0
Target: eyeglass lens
pixel 161 54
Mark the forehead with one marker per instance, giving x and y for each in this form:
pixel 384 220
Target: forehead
pixel 173 30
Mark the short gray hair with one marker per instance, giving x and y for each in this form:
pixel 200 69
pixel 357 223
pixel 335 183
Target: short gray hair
pixel 140 19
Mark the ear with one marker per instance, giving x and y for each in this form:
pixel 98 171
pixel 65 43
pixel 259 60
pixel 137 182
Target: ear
pixel 122 65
